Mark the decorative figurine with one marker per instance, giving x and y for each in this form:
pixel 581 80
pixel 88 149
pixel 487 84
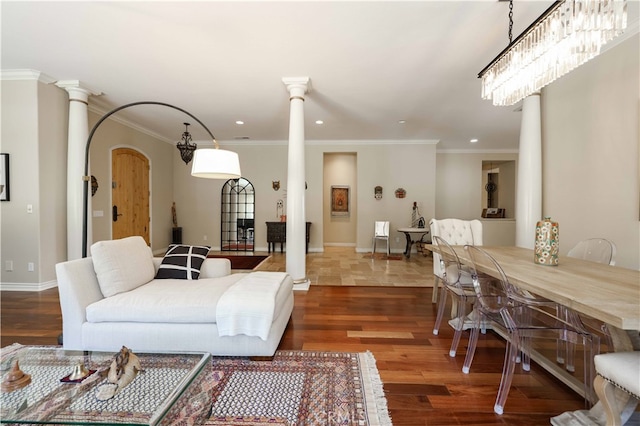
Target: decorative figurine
pixel 174 216
pixel 15 379
pixel 124 368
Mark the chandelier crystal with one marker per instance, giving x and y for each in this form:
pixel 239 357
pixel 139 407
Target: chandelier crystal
pixel 567 35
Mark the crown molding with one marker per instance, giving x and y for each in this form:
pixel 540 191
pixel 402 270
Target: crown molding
pixel 252 142
pixel 102 109
pixel 26 75
pixel 374 142
pixel 477 151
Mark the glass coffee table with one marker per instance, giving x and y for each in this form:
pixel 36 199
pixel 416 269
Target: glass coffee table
pixel 172 388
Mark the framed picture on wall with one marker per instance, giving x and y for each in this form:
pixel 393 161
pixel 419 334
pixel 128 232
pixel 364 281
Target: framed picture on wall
pixel 4 177
pixel 339 200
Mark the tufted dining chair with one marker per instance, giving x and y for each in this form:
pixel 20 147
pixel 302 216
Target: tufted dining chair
pixel 456 232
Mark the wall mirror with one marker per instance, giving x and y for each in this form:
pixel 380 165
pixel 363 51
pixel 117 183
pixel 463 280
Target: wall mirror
pixel 498 188
pixel 237 215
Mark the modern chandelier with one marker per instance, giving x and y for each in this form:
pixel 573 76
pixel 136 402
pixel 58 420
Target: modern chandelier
pixel 566 35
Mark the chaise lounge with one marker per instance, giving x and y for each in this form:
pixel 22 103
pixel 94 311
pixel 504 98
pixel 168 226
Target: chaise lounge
pixel 122 295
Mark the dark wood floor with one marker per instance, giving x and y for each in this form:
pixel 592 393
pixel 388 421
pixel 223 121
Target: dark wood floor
pixel 423 385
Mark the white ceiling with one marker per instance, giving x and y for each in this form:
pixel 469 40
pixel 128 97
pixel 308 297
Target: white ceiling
pixel 371 64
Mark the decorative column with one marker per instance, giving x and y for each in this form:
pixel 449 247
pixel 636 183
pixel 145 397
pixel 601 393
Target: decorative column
pixel 529 189
pixel 76 144
pixel 296 219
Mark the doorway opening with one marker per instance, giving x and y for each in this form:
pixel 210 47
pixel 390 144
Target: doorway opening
pixel 498 188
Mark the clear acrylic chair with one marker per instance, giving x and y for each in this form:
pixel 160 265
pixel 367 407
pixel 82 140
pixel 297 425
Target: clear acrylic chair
pixel 598 250
pixel 522 317
pixel 380 232
pixel 457 281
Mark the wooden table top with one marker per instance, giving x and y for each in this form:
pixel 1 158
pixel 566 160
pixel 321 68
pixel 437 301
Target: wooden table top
pixel 608 293
pixel 416 230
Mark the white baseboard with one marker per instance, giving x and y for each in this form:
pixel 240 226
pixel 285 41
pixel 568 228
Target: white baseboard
pixel 28 286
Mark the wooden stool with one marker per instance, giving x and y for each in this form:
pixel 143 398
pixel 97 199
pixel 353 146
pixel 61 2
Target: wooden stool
pixel 617 370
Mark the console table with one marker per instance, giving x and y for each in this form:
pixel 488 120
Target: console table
pixel 408 233
pixel 277 233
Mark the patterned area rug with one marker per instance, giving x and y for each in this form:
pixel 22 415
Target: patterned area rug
pixel 294 388
pixel 299 388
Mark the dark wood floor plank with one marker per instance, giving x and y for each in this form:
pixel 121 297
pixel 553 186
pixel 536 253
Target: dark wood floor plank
pixel 423 385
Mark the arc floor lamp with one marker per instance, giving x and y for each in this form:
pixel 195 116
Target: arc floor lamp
pixel 210 163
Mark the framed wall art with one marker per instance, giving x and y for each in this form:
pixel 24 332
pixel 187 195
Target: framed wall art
pixel 4 177
pixel 340 200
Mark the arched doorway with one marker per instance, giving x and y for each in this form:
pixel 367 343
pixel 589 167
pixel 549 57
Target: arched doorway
pixel 237 215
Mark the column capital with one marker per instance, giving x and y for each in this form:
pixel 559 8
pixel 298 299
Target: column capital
pixel 297 86
pixel 77 90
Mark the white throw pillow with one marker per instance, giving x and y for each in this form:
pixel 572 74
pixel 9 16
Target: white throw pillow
pixel 122 265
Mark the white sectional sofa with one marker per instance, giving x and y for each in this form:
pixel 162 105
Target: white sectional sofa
pixel 114 298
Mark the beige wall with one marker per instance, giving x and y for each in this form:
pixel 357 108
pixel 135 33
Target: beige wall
pixel 390 165
pixel 340 169
pixel 198 200
pixel 110 135
pixel 459 191
pixel 34 134
pixel 52 133
pixel 590 152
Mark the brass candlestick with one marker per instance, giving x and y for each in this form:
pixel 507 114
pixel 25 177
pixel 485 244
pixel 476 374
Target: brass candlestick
pixel 79 372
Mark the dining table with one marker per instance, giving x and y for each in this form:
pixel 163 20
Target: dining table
pixel 610 294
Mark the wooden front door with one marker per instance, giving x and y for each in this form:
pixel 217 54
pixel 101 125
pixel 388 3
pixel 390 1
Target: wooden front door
pixel 130 194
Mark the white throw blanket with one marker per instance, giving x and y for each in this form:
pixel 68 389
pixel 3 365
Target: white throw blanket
pixel 248 306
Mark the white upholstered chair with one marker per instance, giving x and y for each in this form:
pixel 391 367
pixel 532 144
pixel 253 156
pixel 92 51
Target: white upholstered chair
pixel 617 370
pixel 380 232
pixel 456 232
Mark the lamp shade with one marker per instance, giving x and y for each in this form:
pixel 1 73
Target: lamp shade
pixel 213 163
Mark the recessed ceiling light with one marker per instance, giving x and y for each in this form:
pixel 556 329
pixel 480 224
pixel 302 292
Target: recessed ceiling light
pixel 473 140
pixel 402 121
pixel 239 122
pixel 319 122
